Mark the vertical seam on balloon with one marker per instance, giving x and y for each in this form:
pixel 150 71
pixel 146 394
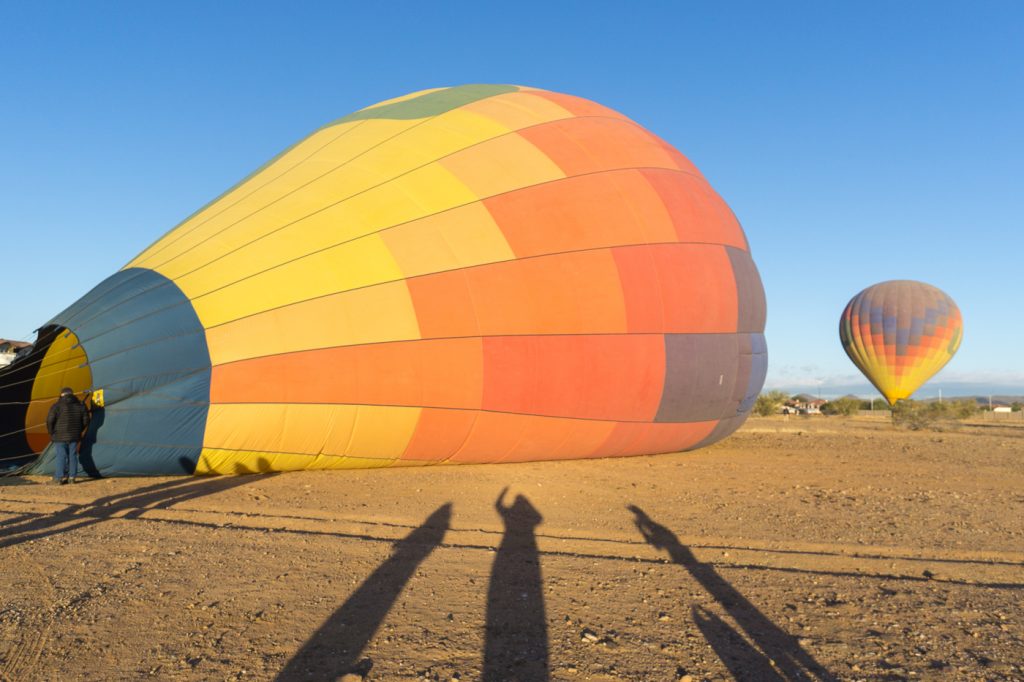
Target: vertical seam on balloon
pixel 97 298
pixel 238 185
pixel 381 184
pixel 377 232
pixel 418 462
pixel 404 223
pixel 145 376
pixel 465 439
pixel 480 265
pixel 318 178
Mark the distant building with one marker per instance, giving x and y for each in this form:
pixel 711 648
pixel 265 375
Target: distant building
pixel 803 404
pixel 9 350
pixel 1002 409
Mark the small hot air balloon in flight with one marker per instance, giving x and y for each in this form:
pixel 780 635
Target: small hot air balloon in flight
pixel 899 333
pixel 482 273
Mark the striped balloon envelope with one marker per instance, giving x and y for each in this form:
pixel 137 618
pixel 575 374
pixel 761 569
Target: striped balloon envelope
pixel 899 334
pixel 483 273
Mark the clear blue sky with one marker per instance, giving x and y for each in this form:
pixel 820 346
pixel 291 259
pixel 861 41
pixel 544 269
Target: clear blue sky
pixel 857 142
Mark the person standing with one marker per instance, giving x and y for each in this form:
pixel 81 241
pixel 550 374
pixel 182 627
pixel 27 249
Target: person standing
pixel 66 423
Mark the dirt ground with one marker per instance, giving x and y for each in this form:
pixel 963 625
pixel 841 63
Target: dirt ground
pixel 801 548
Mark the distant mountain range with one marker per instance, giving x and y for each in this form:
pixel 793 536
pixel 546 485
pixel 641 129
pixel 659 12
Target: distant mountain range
pixel 947 390
pixel 983 400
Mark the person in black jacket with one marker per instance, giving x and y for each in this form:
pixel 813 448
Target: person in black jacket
pixel 67 421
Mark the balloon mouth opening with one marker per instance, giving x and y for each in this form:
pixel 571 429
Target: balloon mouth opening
pixel 29 386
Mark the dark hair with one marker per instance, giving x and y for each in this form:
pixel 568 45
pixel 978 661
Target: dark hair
pixel 67 391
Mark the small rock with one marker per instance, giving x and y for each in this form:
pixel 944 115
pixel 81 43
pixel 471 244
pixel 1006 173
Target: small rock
pixel 589 635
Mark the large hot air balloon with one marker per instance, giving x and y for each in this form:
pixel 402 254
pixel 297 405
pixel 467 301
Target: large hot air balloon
pixel 900 333
pixel 483 273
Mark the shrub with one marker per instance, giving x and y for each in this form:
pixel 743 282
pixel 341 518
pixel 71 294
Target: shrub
pixel 842 406
pixel 962 409
pixel 916 415
pixel 768 403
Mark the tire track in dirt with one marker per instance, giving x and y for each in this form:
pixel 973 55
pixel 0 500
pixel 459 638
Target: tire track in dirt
pixel 995 569
pixel 27 650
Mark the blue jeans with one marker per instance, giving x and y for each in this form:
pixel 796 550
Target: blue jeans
pixel 66 459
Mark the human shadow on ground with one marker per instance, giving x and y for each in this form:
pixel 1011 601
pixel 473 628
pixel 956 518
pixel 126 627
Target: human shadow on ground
pixel 334 649
pixel 743 660
pixel 775 645
pixel 516 630
pixel 85 459
pixel 127 505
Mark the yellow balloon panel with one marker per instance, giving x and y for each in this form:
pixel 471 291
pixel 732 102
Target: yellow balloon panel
pixel 305 432
pixel 370 315
pixel 320 159
pixel 460 238
pixel 64 365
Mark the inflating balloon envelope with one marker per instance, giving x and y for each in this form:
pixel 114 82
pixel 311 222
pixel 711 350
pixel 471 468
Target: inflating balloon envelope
pixel 482 273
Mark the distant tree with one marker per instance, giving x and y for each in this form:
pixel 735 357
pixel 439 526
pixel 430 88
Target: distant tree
pixel 915 415
pixel 876 404
pixel 1016 406
pixel 769 403
pixel 842 406
pixel 963 409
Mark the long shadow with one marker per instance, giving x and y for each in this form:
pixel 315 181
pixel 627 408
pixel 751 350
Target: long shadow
pixel 334 649
pixel 516 631
pixel 129 505
pixel 775 644
pixel 85 459
pixel 743 661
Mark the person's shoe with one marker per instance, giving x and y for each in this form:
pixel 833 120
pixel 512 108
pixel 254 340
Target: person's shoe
pixel 63 481
pixel 74 481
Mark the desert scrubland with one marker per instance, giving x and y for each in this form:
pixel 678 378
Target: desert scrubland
pixel 799 548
